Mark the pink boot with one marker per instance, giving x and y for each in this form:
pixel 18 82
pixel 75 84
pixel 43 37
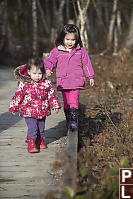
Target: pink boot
pixel 40 142
pixel 31 145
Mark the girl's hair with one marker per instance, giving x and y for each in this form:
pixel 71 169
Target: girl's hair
pixel 37 62
pixel 69 28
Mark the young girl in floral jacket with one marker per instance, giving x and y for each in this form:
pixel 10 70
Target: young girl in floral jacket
pixel 35 96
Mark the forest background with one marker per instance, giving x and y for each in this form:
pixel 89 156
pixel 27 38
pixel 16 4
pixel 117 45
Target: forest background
pixel 29 28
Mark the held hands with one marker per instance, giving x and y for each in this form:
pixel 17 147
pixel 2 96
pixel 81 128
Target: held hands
pixel 56 110
pixel 92 82
pixel 48 72
pixel 14 113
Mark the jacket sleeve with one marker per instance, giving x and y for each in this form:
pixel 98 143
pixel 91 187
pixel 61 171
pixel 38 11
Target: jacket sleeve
pixel 87 66
pixel 51 60
pixel 52 97
pixel 17 98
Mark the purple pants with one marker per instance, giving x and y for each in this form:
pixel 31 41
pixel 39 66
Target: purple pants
pixel 35 127
pixel 70 98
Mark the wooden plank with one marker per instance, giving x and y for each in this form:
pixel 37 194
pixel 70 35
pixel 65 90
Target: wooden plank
pixel 71 159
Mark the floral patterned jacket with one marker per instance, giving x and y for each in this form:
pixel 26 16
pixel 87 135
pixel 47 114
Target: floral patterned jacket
pixel 35 99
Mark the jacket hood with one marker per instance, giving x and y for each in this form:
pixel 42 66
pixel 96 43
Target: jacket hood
pixel 21 74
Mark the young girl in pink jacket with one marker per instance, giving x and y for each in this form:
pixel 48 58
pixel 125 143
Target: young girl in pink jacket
pixel 72 63
pixel 35 96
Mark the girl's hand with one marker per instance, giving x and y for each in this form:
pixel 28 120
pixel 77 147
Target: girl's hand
pixel 56 110
pixel 48 72
pixel 91 82
pixel 14 113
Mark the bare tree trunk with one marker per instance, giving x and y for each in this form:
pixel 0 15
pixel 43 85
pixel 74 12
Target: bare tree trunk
pixel 58 18
pixel 21 21
pixel 35 32
pixel 117 32
pixel 90 27
pixel 83 16
pixel 119 22
pixel 60 12
pixel 115 50
pixel 67 10
pixel 106 16
pixel 45 25
pixel 99 15
pixel 3 23
pixel 11 46
pixel 48 15
pixel 54 25
pixel 111 26
pixel 75 10
pixel 129 42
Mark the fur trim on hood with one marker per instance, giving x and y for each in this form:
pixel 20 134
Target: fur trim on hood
pixel 22 75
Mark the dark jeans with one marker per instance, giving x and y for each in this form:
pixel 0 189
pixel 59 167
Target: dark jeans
pixel 35 127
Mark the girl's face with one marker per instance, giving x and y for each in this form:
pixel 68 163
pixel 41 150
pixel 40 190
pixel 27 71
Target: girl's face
pixel 70 40
pixel 35 73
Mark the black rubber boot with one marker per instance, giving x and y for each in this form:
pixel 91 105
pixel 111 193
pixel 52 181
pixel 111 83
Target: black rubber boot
pixel 67 114
pixel 73 125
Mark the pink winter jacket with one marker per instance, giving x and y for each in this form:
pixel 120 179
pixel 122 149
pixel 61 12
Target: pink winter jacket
pixel 34 98
pixel 70 67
